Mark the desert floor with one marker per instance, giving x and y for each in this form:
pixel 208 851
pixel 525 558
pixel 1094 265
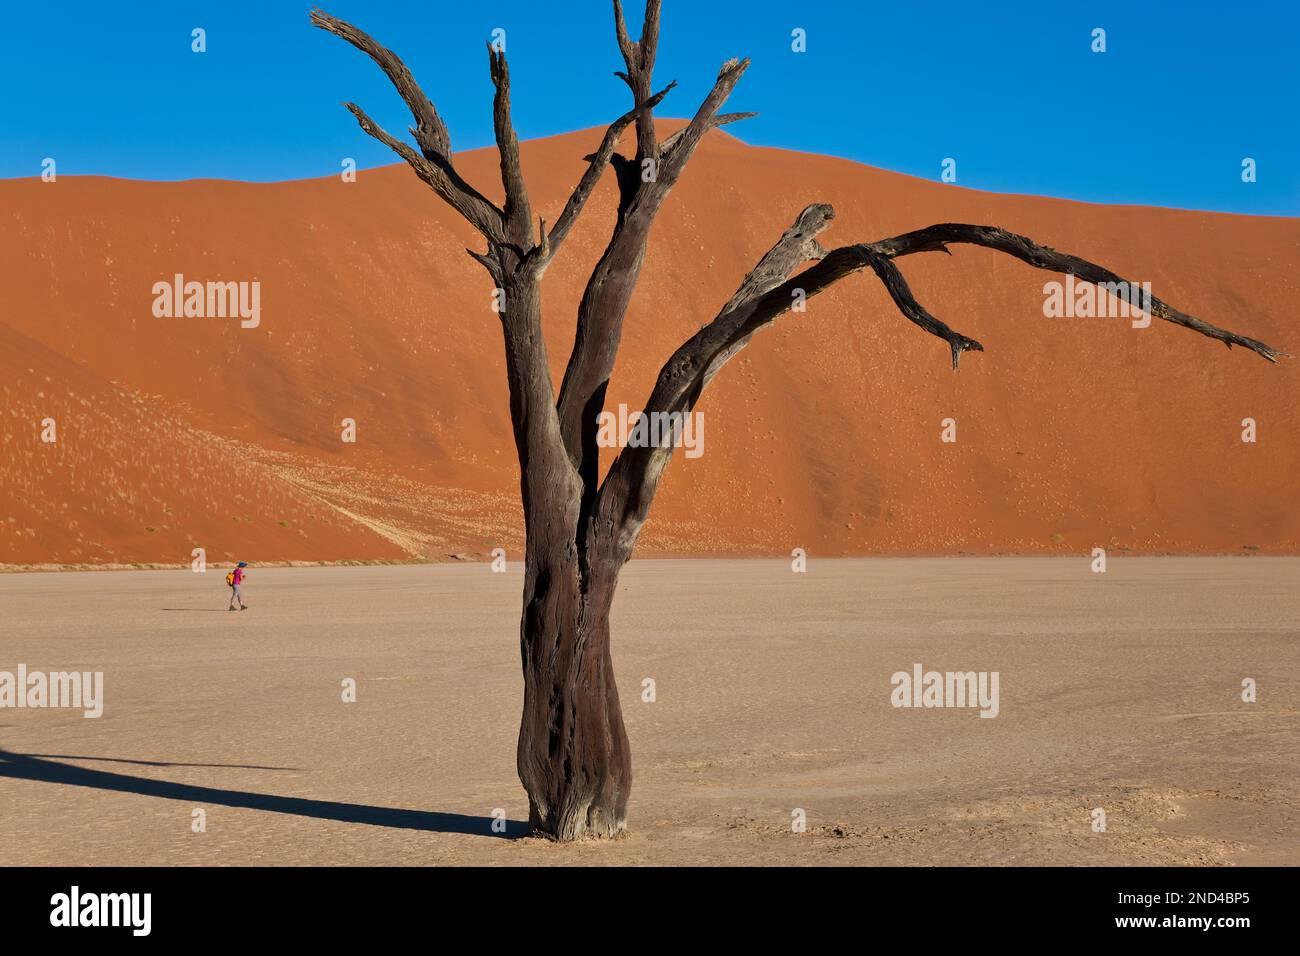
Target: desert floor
pixel 772 692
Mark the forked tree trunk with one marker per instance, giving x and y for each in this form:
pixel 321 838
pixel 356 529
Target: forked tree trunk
pixel 574 759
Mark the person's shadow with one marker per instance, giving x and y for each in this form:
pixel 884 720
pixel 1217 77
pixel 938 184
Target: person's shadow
pixel 38 767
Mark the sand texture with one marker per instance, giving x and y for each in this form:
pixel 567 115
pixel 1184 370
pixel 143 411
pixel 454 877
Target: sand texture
pixel 176 433
pixel 1119 691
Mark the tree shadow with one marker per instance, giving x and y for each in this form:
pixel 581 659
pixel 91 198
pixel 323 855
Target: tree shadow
pixel 150 763
pixel 36 767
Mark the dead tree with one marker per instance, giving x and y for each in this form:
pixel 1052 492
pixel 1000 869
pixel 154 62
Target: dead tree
pixel 573 756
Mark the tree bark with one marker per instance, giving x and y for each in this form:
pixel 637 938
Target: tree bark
pixel 574 759
pixel 573 755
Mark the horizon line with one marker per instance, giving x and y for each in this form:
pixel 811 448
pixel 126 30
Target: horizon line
pixel 683 120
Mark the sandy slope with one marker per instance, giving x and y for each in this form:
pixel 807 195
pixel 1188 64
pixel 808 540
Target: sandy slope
pixel 825 434
pixel 1118 691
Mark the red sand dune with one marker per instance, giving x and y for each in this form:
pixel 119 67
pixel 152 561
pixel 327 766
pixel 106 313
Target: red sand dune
pixel 825 434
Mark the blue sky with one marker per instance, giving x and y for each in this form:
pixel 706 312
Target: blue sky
pixel 1009 89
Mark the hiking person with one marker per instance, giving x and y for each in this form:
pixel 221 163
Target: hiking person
pixel 235 579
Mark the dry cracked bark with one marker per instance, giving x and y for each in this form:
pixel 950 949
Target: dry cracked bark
pixel 573 755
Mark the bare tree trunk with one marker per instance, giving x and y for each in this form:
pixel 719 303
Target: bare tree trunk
pixel 574 759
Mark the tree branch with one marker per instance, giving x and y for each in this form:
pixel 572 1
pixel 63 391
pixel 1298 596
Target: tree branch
pixel 609 290
pixel 549 484
pixel 483 215
pixel 434 162
pixel 936 238
pixel 518 213
pixel 677 151
pixel 430 131
pixel 625 497
pixel 597 161
pixel 797 245
pixel 639 56
pixel 722 119
pixel 913 310
pixel 490 262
